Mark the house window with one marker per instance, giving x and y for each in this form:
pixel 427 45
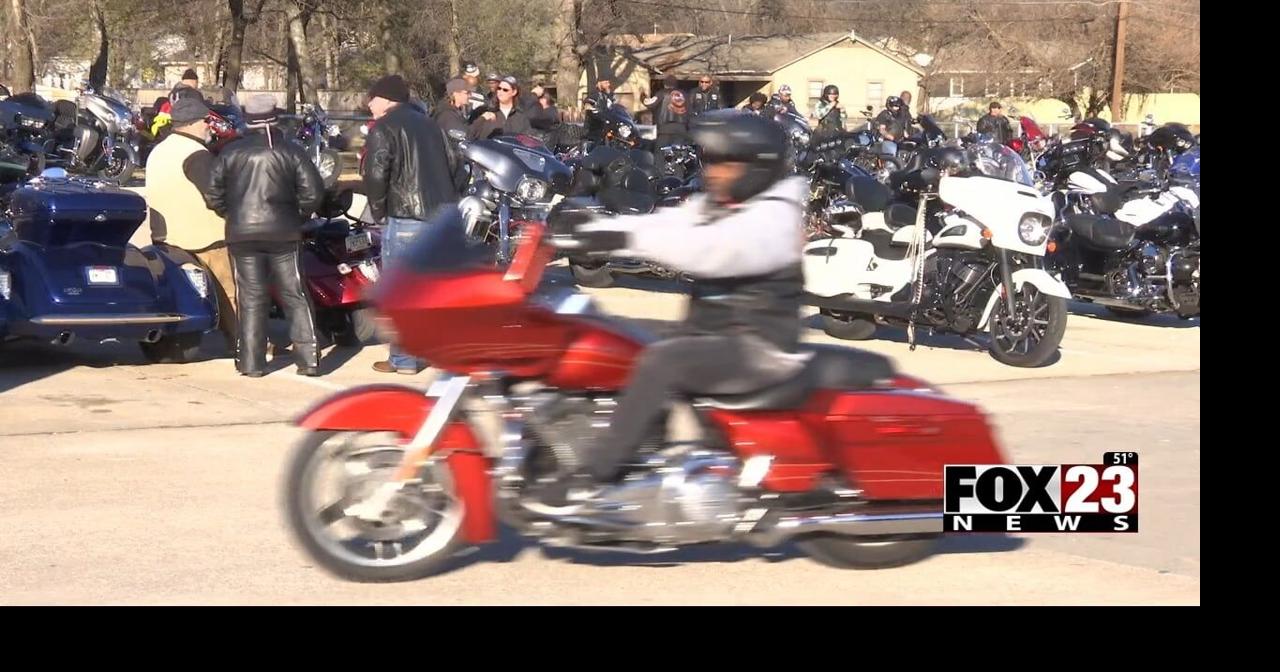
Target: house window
pixel 815 92
pixel 875 93
pixel 956 90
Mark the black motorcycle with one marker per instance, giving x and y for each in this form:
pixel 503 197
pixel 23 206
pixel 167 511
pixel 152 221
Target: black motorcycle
pixel 1133 271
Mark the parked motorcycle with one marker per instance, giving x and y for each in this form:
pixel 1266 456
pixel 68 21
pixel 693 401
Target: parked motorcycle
pixel 104 140
pixel 1136 257
pixel 845 459
pixel 341 261
pixel 316 134
pixel 983 270
pixel 512 178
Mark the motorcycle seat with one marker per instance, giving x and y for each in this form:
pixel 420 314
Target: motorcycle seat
pixel 899 215
pixel 883 246
pixel 831 367
pixel 1102 232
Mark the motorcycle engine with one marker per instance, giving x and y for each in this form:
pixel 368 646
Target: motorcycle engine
pixel 686 498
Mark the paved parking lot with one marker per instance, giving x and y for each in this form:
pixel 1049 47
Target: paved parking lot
pixel 133 483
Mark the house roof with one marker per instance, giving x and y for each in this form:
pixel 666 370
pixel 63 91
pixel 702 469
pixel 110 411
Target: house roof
pixel 736 56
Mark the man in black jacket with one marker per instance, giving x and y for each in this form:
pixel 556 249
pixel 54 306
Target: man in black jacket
pixel 705 98
pixel 265 186
pixel 406 177
pixel 995 124
pixel 451 114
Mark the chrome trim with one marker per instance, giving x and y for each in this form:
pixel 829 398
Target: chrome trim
pixel 907 520
pixel 89 320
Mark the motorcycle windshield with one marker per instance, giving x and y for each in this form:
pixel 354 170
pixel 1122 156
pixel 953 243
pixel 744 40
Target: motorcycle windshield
pixel 443 247
pixel 1000 162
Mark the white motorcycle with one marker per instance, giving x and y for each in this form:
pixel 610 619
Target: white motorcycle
pixel 992 235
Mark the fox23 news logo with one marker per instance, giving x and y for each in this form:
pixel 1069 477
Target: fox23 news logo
pixel 1043 498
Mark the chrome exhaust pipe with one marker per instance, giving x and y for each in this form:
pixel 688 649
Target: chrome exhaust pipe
pixel 152 336
pixel 64 338
pixel 905 520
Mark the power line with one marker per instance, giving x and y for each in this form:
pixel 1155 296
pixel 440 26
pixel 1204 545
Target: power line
pixel 881 19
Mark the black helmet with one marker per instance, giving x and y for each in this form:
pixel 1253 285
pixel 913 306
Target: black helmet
pixel 948 159
pixel 732 135
pixel 830 89
pixel 892 102
pixel 1174 137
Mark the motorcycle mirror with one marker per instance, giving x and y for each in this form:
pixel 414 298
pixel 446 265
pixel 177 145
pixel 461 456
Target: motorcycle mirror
pixel 338 204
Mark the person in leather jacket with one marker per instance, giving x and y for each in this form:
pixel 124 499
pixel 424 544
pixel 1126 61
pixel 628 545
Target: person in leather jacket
pixel 741 242
pixel 506 116
pixel 265 187
pixel 995 124
pixel 407 177
pixel 704 98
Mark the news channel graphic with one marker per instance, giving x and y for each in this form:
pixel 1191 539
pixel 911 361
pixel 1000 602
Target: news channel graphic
pixel 1060 498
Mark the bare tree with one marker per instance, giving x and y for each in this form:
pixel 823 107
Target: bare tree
pixel 298 13
pixel 243 15
pixel 24 70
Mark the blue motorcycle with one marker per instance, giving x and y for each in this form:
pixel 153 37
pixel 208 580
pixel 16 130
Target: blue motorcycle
pixel 68 272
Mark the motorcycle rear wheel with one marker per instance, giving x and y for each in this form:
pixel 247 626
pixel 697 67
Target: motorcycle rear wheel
pixel 846 552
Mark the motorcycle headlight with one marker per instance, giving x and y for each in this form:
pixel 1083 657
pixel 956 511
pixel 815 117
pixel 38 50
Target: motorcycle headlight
pixel 31 122
pixel 800 136
pixel 624 132
pixel 531 189
pixel 198 279
pixel 1034 228
pixel 6 285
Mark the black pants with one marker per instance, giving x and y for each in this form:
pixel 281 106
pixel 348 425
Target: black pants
pixel 685 366
pixel 256 265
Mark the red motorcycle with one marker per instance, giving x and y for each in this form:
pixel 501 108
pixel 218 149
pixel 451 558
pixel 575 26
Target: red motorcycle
pixel 846 458
pixel 341 261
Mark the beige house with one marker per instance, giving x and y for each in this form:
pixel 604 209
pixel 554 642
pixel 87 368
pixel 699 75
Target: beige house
pixel 865 72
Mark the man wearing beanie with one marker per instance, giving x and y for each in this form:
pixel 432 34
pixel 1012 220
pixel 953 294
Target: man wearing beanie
pixel 406 179
pixel 266 187
pixel 189 87
pixel 177 178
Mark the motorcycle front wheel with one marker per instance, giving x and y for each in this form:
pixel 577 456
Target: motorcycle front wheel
pixel 1031 335
pixel 119 167
pixel 331 479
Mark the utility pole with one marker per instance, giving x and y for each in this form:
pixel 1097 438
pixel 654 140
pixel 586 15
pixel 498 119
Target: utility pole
pixel 1117 74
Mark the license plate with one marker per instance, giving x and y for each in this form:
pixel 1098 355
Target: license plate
pixel 359 241
pixel 103 275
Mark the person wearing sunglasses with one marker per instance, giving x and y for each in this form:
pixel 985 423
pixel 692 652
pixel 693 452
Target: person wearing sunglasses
pixel 705 98
pixel 506 116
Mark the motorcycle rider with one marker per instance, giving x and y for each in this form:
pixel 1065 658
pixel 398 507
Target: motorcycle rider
pixel 672 123
pixel 505 117
pixel 889 123
pixel 188 86
pixel 756 104
pixel 995 124
pixel 451 116
pixel 904 116
pixel 658 101
pixel 741 243
pixel 704 98
pixel 407 176
pixel 829 112
pixel 603 96
pixel 476 101
pixel 265 186
pixel 783 99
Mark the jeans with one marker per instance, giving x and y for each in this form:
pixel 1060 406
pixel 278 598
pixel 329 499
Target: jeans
pixel 398 235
